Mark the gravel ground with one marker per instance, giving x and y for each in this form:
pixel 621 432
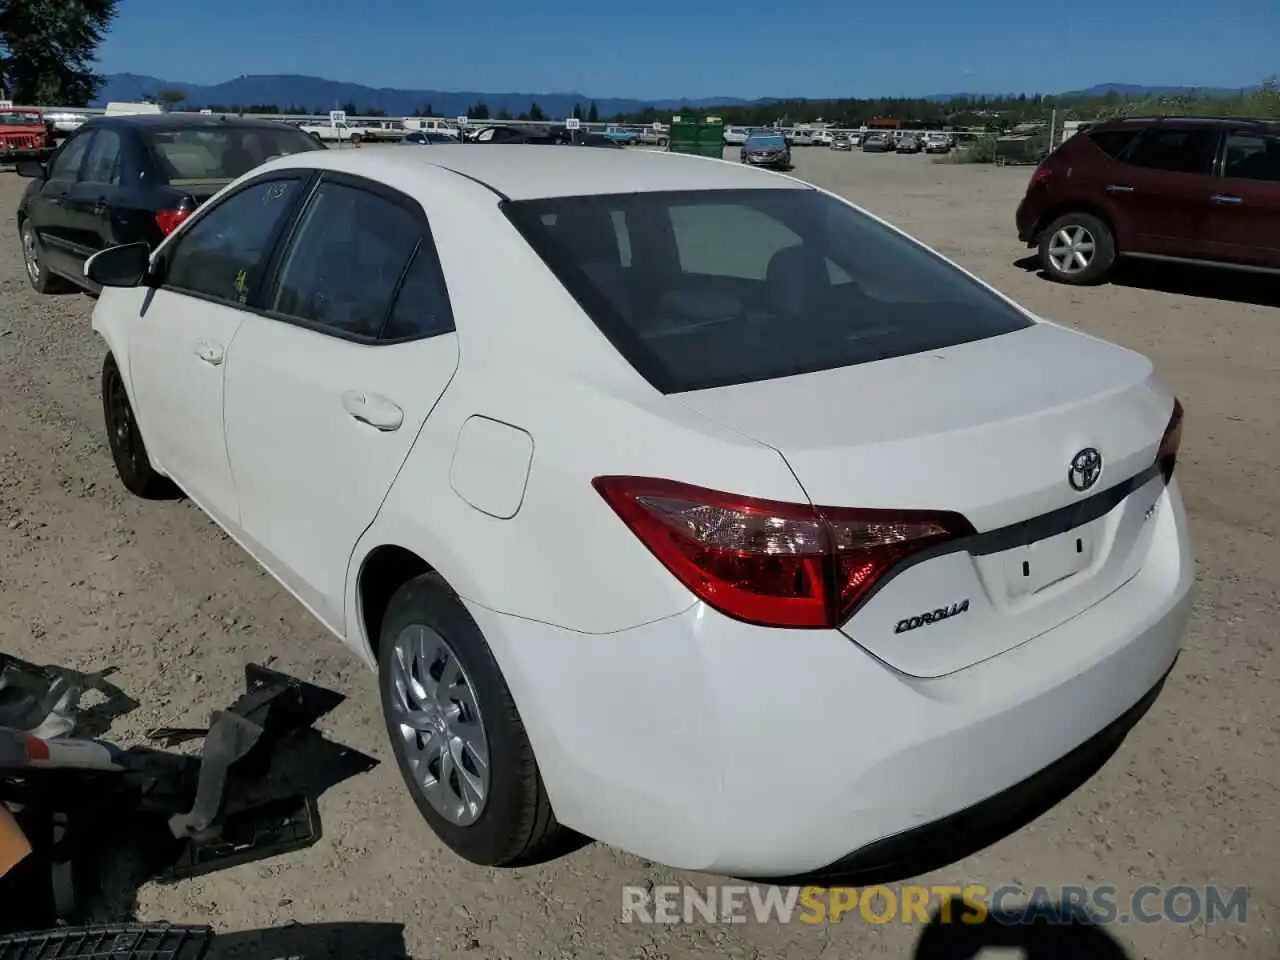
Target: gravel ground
pixel 91 577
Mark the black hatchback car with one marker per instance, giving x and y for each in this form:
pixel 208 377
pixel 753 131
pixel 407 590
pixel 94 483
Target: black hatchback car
pixel 124 179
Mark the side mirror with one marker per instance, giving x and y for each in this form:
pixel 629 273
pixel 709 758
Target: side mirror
pixel 124 266
pixel 31 169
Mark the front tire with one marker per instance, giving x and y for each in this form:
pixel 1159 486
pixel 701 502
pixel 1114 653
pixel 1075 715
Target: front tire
pixel 38 275
pixel 1078 249
pixel 128 451
pixel 456 733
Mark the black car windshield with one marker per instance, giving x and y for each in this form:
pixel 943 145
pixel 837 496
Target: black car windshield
pixel 200 154
pixel 702 289
pixel 766 140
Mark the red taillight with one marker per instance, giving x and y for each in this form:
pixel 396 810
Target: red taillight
pixel 1170 442
pixel 770 563
pixel 1041 175
pixel 168 220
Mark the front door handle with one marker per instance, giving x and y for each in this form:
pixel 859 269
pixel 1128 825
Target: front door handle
pixel 372 409
pixel 1225 199
pixel 100 207
pixel 1119 188
pixel 210 352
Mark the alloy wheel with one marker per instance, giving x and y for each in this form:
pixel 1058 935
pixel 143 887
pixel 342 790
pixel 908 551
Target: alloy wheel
pixel 31 253
pixel 1071 249
pixel 441 731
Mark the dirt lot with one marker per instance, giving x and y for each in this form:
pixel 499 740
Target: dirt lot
pixel 91 577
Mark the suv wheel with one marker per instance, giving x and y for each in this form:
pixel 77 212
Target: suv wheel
pixel 1077 248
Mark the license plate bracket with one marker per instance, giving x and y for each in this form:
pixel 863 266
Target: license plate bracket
pixel 1038 566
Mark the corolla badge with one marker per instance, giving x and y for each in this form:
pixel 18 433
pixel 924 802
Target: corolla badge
pixel 1085 469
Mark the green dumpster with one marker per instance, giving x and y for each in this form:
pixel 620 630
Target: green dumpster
pixel 702 138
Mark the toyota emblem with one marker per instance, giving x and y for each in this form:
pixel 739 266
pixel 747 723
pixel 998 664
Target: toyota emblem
pixel 1086 468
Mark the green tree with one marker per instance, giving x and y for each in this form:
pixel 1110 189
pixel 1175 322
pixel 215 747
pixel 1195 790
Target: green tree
pixel 535 112
pixel 47 49
pixel 577 111
pixel 350 108
pixel 478 111
pixel 171 97
pixel 593 115
pixel 504 113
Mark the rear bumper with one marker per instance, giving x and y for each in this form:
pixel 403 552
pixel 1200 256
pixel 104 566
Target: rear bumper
pixel 1027 219
pixel 709 744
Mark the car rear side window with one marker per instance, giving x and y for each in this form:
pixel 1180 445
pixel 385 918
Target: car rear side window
pixel 103 165
pixel 344 264
pixel 1251 157
pixel 1114 142
pixel 1186 150
pixel 734 286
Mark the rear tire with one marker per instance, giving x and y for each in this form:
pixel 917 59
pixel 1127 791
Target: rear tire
pixel 1078 249
pixel 448 711
pixel 128 451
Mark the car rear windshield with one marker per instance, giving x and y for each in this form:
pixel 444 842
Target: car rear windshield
pixel 702 289
pixel 200 154
pixel 766 141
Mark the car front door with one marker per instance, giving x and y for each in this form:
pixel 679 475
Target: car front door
pixel 328 385
pixel 91 200
pixel 178 345
pixel 49 213
pixel 1244 224
pixel 1158 190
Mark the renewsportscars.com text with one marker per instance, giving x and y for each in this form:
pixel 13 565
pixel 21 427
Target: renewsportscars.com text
pixel 972 904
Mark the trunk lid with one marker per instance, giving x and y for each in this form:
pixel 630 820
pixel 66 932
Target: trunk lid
pixel 989 430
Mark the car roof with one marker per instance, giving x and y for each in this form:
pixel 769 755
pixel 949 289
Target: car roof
pixel 534 172
pixel 182 121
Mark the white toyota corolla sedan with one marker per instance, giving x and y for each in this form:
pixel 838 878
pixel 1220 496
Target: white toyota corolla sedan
pixel 676 503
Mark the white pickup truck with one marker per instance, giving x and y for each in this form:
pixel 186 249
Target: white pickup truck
pixel 340 130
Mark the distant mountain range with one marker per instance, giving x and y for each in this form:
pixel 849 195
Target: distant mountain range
pixel 317 94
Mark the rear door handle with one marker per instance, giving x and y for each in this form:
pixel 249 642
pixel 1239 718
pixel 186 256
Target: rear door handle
pixel 1119 188
pixel 210 352
pixel 372 409
pixel 1225 199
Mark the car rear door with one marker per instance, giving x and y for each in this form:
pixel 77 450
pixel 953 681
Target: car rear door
pixel 329 383
pixel 1158 189
pixel 178 344
pixel 1244 224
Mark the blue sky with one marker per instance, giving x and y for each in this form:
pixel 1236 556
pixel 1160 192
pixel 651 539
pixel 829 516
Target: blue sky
pixel 700 48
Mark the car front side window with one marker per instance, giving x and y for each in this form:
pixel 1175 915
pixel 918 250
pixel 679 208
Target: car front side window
pixel 224 254
pixel 346 260
pixel 66 165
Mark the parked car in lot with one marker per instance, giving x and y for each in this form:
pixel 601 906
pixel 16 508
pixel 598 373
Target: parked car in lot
pixel 876 142
pixel 766 150
pixel 841 141
pixel 25 134
pixel 532 529
pixel 423 138
pixel 1180 190
pixel 735 136
pixel 937 143
pixel 908 143
pixel 125 178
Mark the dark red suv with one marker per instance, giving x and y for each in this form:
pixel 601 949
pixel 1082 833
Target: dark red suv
pixel 1182 189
